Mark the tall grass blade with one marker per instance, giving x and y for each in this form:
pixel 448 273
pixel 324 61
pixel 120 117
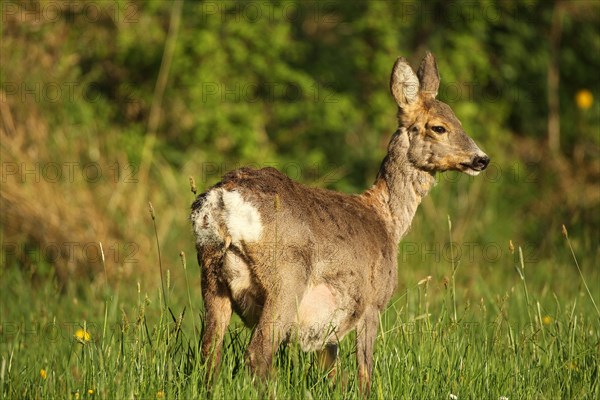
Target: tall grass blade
pixel 162 284
pixel 566 234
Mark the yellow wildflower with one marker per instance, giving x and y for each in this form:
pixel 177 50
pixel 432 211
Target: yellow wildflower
pixel 160 394
pixel 43 373
pixel 82 335
pixel 584 99
pixel 547 320
pixel 90 391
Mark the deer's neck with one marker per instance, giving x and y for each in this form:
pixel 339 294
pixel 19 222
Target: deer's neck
pixel 400 186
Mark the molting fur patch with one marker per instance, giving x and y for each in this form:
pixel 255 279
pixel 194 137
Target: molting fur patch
pixel 205 219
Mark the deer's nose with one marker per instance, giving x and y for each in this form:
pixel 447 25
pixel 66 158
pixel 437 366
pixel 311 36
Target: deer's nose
pixel 481 162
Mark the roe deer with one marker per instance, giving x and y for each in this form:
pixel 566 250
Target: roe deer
pixel 260 237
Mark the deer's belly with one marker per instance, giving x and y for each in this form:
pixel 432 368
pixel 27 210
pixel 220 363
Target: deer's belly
pixel 320 318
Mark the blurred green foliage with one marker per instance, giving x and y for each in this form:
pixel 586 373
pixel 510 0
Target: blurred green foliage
pixel 301 80
pixel 303 86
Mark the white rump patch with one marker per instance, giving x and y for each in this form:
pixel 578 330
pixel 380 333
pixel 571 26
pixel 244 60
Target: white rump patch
pixel 225 213
pixel 241 218
pixel 204 223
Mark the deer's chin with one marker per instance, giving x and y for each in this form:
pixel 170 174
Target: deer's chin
pixel 472 172
pixel 469 169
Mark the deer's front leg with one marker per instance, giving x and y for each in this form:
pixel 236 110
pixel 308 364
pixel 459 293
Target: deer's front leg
pixel 366 332
pixel 217 305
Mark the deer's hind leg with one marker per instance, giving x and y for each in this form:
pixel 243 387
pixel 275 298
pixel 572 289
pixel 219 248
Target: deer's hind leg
pixel 277 321
pixel 218 309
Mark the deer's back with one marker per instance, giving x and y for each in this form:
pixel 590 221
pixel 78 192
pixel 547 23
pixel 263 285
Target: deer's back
pixel 297 214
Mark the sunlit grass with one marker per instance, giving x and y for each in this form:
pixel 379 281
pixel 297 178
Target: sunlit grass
pixel 104 342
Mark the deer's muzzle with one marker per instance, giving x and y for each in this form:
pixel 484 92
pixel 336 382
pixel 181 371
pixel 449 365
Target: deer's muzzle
pixel 478 164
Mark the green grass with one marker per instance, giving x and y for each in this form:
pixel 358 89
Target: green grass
pixel 517 342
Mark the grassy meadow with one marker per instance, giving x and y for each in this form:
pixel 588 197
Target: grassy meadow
pixel 107 105
pixel 519 334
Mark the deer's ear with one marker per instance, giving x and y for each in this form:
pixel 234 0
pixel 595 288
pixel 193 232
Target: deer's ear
pixel 404 84
pixel 429 76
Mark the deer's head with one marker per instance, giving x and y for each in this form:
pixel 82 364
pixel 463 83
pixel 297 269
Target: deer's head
pixel 437 140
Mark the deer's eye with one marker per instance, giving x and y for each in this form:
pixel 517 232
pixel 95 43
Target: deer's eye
pixel 438 129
